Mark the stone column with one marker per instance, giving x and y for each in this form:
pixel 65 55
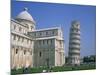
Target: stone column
pixel 24 57
pixel 12 57
pixel 27 59
pixel 31 58
pixel 20 57
pixel 16 58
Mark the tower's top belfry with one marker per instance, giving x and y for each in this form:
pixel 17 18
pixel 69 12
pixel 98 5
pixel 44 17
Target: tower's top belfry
pixel 75 24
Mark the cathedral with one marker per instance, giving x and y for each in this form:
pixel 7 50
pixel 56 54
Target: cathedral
pixel 31 47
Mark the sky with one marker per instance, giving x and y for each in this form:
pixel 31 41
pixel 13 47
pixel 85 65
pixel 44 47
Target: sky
pixel 48 15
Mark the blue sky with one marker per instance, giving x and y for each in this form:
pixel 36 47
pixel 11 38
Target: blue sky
pixel 55 15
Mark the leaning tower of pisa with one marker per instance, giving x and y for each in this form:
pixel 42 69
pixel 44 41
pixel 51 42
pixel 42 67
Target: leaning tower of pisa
pixel 74 44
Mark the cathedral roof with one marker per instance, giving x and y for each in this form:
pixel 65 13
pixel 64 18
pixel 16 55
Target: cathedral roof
pixel 24 15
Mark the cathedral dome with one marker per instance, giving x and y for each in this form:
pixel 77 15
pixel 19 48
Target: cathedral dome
pixel 24 15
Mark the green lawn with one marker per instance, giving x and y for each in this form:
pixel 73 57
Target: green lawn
pixel 54 69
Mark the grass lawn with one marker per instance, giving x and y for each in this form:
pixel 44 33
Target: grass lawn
pixel 54 69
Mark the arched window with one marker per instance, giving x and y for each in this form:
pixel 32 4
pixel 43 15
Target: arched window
pixel 51 41
pixel 40 42
pixel 22 39
pixel 47 42
pixel 43 42
pixel 27 41
pixel 14 27
pixel 53 32
pixel 20 29
pixel 14 37
pixel 24 51
pixel 16 51
pixel 40 54
pixel 18 38
pixel 47 33
pixel 31 27
pixel 30 52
